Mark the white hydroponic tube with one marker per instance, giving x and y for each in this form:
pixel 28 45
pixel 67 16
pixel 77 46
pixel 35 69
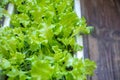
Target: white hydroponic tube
pixel 79 38
pixel 7 18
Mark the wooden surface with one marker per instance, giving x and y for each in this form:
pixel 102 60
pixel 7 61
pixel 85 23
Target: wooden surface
pixel 103 45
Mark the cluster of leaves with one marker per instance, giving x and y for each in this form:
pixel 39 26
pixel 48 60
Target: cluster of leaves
pixel 40 43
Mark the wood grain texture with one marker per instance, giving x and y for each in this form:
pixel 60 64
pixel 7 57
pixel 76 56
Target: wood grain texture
pixel 103 45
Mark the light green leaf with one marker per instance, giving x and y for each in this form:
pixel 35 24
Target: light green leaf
pixel 4 63
pixel 41 70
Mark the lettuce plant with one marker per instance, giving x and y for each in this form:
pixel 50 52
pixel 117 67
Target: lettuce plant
pixel 40 42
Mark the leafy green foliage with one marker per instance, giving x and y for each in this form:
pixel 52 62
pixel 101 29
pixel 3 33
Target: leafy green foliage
pixel 40 43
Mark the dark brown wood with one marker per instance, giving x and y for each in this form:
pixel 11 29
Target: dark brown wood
pixel 103 45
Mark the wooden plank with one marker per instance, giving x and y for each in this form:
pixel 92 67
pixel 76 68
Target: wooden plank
pixel 104 43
